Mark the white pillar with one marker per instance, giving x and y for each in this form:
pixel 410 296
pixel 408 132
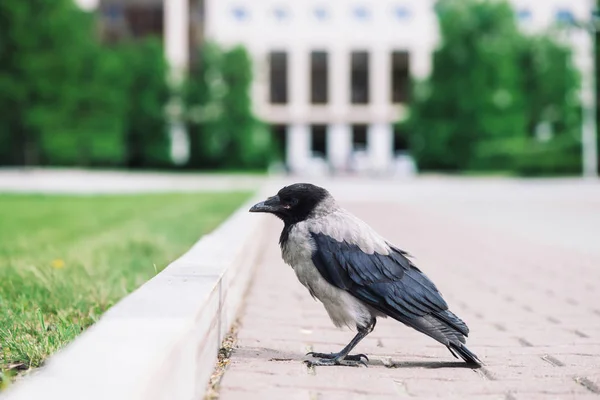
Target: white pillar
pixel 298 64
pixel 339 145
pixel 420 62
pixel 260 79
pixel 298 152
pixel 298 147
pixel 176 38
pixel 339 83
pixel 87 5
pixel 339 133
pixel 380 147
pixel 380 83
pixel 589 131
pixel 379 137
pixel 176 28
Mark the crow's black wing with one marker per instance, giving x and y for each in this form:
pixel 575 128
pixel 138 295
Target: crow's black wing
pixel 390 284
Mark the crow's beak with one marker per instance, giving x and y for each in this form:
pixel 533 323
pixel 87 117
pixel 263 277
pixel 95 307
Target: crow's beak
pixel 270 205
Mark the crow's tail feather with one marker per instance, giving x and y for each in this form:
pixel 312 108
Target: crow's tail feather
pixel 464 353
pixel 453 321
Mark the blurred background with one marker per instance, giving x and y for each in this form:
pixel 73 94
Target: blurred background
pixel 93 89
pixel 321 87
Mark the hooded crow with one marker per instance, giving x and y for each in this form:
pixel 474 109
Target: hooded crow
pixel 357 274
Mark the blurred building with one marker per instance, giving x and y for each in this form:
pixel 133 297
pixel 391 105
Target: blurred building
pixel 180 23
pixel 331 77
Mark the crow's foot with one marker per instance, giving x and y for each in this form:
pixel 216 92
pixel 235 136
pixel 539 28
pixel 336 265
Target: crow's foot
pixel 333 356
pixel 326 362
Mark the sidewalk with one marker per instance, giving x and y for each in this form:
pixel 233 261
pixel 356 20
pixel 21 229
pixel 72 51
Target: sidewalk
pixel 531 300
pixel 90 181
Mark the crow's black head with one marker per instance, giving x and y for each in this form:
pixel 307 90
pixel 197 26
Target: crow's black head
pixel 293 203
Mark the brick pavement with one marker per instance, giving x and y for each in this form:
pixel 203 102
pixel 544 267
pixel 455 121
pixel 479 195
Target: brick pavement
pixel 532 304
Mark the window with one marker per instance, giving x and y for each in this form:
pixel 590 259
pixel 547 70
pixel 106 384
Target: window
pixel 359 79
pixel 319 140
pixel 113 13
pixel 278 78
pixel 400 140
pixel 524 15
pixel 564 16
pixel 359 137
pixel 281 13
pixel 361 13
pixel 321 13
pixel 279 134
pixel 200 8
pixel 145 20
pixel 239 13
pixel 400 77
pixel 402 13
pixel 319 77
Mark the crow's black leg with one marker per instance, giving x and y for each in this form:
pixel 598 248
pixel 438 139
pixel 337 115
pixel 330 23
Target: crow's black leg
pixel 343 358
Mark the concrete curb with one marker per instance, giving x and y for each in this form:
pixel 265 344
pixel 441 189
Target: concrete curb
pixel 161 341
pixel 93 182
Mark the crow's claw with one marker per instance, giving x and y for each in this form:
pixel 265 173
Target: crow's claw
pixel 357 357
pixel 336 356
pixel 329 356
pixel 327 362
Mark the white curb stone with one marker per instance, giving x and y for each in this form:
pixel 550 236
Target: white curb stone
pixel 161 341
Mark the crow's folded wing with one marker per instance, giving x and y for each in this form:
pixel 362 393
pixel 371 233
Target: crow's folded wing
pixel 389 283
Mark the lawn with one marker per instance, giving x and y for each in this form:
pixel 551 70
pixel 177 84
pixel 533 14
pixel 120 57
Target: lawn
pixel 64 260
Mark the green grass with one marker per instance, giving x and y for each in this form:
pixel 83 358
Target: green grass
pixel 64 260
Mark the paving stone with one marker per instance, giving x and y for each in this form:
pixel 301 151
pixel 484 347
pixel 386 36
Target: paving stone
pixel 530 300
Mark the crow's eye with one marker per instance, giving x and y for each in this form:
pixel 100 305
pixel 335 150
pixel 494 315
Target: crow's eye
pixel 288 202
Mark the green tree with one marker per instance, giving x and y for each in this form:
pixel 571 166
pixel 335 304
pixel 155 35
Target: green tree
pixel 203 93
pixel 473 92
pixel 147 139
pixel 224 133
pixel 597 83
pixel 90 129
pixel 31 79
pixel 250 142
pixel 496 98
pixel 61 96
pixel 550 85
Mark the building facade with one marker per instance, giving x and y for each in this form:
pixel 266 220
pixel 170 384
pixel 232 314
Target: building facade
pixel 332 77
